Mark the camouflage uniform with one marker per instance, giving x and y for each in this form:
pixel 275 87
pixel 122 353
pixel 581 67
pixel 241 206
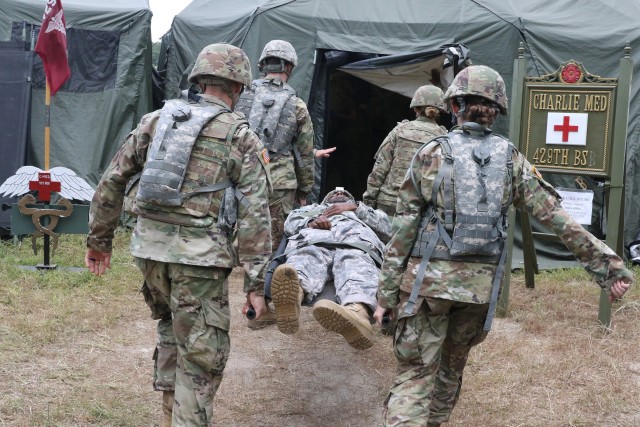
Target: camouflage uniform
pixel 392 160
pixel 432 343
pixel 317 261
pixel 291 178
pixel 185 259
pixel 397 149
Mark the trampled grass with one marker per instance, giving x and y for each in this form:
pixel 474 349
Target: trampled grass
pixel 75 350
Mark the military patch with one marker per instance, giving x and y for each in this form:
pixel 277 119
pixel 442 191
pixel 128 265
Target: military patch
pixel 535 172
pixel 265 156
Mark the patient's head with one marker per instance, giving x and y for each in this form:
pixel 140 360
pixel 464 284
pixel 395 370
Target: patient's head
pixel 339 195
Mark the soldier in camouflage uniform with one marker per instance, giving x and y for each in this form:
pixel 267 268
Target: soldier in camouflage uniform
pixel 338 240
pixel 397 149
pixel 282 121
pixel 444 295
pixel 184 249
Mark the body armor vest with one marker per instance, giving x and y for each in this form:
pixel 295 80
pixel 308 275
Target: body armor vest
pixel 186 164
pixel 270 109
pixel 410 137
pixel 475 176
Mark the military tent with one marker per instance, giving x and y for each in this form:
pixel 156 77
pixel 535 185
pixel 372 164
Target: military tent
pixel 109 46
pixel 593 32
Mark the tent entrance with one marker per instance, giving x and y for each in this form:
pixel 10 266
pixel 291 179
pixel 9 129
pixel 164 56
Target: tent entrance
pixel 359 117
pixel 359 99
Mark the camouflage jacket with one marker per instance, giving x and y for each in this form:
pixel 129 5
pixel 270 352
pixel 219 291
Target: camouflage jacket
pixel 393 158
pixel 365 225
pixel 471 282
pixel 286 173
pixel 203 246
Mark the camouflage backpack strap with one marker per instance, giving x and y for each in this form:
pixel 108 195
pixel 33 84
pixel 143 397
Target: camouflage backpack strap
pixel 426 241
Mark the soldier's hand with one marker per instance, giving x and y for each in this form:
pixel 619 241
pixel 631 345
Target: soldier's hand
pixel 325 152
pixel 338 208
pixel 618 289
pixel 321 223
pixel 257 302
pixel 380 313
pixel 97 262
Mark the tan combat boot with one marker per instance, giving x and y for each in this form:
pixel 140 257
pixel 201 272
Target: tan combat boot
pixel 287 296
pixel 167 407
pixel 350 321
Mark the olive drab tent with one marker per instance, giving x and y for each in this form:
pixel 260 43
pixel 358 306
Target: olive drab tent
pixel 593 32
pixel 109 49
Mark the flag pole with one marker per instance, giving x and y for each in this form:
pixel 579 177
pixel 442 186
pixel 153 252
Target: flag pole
pixel 47 128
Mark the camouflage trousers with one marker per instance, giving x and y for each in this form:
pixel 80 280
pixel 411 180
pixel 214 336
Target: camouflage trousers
pixel 354 273
pixel 192 305
pixel 432 348
pixel 280 204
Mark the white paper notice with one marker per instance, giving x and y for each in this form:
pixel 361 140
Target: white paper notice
pixel 578 203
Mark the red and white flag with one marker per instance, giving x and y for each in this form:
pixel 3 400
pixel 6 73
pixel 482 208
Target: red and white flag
pixel 567 128
pixel 52 45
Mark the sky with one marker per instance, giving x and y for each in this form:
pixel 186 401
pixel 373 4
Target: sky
pixel 163 13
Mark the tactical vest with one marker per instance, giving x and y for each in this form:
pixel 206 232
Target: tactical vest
pixel 271 112
pixel 186 164
pixel 475 176
pixel 410 136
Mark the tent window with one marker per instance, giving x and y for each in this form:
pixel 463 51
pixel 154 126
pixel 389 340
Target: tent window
pixel 93 57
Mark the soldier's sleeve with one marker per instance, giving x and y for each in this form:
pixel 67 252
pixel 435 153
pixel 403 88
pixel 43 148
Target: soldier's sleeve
pixel 384 158
pixel 376 219
pixel 248 170
pixel 543 202
pixel 106 204
pixel 404 229
pixel 304 144
pixel 299 218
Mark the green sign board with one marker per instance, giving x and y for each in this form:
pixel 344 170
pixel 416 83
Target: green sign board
pixel 568 121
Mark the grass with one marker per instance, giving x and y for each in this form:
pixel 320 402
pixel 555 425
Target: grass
pixel 75 350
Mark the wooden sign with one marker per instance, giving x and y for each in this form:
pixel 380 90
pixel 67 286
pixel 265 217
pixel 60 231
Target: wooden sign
pixel 568 121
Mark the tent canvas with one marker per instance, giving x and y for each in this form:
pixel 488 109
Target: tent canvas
pixel 593 32
pixel 109 90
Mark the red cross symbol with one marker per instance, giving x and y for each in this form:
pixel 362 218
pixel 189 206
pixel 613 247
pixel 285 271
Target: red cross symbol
pixel 565 128
pixel 44 186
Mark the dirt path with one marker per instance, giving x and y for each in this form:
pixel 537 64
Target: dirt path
pixel 312 378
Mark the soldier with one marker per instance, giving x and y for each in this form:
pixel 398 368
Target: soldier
pixel 397 149
pixel 338 240
pixel 445 262
pixel 189 152
pixel 282 121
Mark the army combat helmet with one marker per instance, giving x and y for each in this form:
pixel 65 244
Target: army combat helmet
pixel 338 190
pixel 479 80
pixel 221 61
pixel 428 96
pixel 281 50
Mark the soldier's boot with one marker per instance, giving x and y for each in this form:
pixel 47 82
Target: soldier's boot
pixel 287 296
pixel 167 407
pixel 350 321
pixel 269 318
